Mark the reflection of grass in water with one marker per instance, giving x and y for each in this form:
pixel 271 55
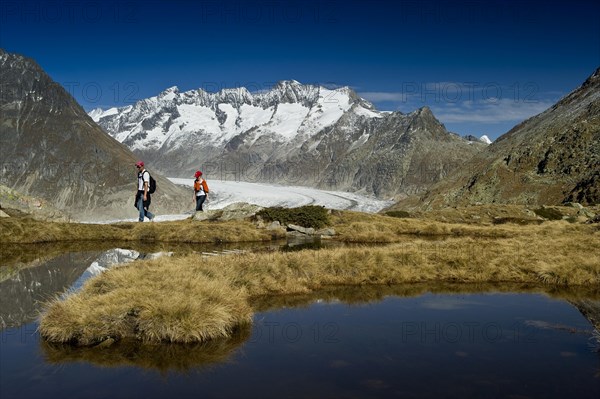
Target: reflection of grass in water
pixel 160 357
pixel 368 294
pixel 7 272
pixel 300 245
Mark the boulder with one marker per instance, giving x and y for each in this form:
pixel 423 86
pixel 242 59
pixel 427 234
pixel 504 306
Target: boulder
pixel 235 211
pixel 326 232
pixel 300 229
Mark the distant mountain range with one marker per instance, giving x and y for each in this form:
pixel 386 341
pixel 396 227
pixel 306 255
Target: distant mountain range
pixel 293 134
pixel 551 158
pixel 53 150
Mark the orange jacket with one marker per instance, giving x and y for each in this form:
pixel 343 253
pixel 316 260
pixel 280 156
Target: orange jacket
pixel 198 184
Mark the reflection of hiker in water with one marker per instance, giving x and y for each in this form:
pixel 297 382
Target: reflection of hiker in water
pixel 142 196
pixel 200 190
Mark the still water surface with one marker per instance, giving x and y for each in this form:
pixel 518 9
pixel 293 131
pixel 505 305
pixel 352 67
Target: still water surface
pixel 413 344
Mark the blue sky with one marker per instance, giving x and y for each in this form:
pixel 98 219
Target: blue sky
pixel 482 67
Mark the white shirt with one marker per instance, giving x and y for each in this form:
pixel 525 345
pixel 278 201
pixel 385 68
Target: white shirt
pixel 143 176
pixel 201 191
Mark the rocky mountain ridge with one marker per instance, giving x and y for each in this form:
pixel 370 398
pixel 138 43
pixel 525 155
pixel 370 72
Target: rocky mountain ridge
pixel 53 150
pixel 292 134
pixel 552 158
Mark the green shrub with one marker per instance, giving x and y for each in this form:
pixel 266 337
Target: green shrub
pixel 548 213
pixel 398 214
pixel 516 220
pixel 305 216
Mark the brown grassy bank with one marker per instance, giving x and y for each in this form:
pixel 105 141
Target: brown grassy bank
pixel 373 228
pixel 192 299
pixel 349 227
pixel 27 230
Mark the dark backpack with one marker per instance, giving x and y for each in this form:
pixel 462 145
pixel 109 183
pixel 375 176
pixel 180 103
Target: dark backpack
pixel 152 185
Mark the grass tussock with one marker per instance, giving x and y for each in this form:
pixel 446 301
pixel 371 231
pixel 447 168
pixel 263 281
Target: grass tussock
pixel 398 214
pixel 139 302
pixel 195 299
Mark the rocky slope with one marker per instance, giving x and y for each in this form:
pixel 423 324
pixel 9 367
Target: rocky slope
pixel 14 203
pixel 53 150
pixel 293 134
pixel 551 158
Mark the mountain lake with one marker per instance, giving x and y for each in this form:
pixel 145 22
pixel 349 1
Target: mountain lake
pixel 413 341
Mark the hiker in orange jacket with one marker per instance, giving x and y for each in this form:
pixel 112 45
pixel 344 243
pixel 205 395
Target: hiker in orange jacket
pixel 200 190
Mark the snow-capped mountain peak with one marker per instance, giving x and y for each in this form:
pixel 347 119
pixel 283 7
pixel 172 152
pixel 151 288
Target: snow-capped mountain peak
pixel 96 113
pixel 287 110
pixel 485 139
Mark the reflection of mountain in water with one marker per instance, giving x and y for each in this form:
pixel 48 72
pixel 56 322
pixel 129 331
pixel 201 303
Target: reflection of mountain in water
pixel 104 261
pixel 22 293
pixel 30 276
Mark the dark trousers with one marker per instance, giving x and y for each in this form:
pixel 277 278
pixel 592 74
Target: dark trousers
pixel 143 206
pixel 199 201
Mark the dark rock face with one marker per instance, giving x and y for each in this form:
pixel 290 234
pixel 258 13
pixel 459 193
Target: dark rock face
pixel 53 150
pixel 551 158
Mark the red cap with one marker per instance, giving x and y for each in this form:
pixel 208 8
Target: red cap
pixel 139 163
pixel 197 174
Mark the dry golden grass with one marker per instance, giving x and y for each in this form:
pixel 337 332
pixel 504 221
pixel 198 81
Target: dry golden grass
pixel 26 230
pixel 194 299
pixel 373 228
pixel 151 302
pixel 349 226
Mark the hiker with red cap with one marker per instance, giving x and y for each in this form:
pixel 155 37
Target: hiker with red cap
pixel 142 196
pixel 200 190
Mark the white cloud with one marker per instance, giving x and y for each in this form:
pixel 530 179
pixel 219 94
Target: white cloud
pixel 502 110
pixel 460 102
pixel 377 96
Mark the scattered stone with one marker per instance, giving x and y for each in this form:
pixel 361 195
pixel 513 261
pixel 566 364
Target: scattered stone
pixel 586 212
pixel 326 232
pixel 300 229
pixel 275 225
pixel 3 214
pixel 574 205
pixel 235 211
